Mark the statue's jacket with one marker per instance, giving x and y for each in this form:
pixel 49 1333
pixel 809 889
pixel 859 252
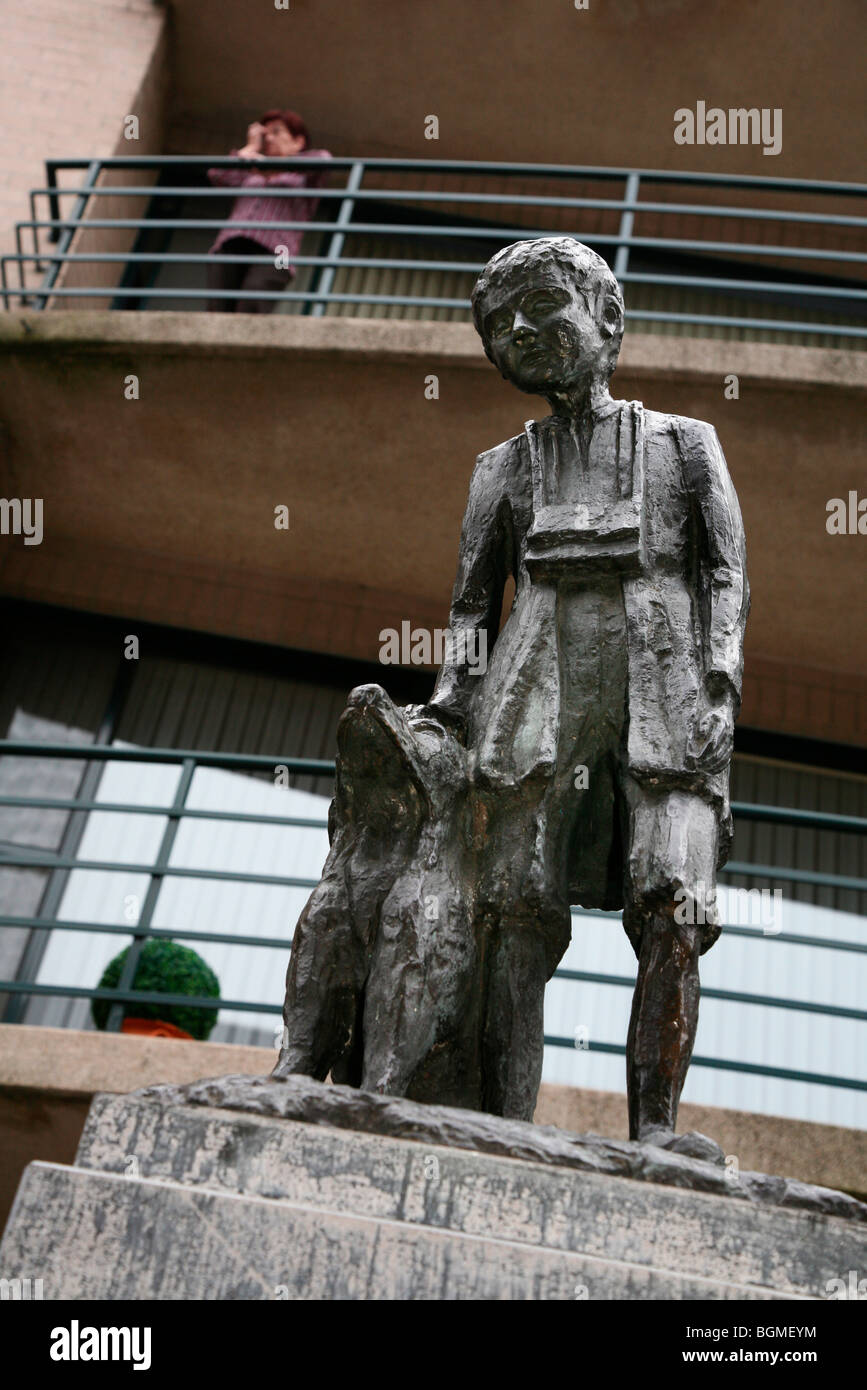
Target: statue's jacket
pixel 685 604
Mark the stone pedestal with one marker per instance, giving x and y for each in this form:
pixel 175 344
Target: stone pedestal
pixel 246 1188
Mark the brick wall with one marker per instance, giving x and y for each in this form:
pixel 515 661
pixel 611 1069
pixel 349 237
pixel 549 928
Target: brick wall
pixel 70 71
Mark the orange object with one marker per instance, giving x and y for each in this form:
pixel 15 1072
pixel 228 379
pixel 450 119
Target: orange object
pixel 154 1028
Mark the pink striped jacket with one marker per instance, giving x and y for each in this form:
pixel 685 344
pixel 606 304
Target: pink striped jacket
pixel 259 208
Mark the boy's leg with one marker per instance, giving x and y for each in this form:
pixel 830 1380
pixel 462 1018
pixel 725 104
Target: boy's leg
pixel 513 1033
pixel 670 918
pixel 663 1022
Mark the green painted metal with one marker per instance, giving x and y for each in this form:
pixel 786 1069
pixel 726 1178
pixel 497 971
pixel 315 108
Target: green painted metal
pixel 689 314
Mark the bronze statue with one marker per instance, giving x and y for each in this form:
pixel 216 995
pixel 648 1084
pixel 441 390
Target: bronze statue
pixel 588 765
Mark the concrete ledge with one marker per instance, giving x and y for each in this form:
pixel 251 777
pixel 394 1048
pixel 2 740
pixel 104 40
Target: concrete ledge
pixel 49 1076
pixel 246 1188
pixel 472 1191
pixel 684 359
pixel 100 1236
pixel 71 1063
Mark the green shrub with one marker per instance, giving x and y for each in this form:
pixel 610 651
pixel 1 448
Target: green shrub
pixel 164 967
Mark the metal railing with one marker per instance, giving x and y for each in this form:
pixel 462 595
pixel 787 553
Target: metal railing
pixel 160 868
pixel 826 297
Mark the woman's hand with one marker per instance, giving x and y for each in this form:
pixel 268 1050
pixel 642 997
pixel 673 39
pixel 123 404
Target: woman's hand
pixel 253 147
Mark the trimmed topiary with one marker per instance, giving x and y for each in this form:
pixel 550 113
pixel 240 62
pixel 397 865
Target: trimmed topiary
pixel 164 967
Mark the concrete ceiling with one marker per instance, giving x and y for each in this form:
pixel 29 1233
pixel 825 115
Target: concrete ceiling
pixel 532 82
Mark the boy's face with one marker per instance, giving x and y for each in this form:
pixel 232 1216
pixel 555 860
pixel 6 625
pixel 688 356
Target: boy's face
pixel 540 331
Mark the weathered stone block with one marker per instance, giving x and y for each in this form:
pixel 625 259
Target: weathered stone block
pixel 245 1188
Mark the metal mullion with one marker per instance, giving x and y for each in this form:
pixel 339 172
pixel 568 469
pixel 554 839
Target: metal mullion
pixel 161 190
pixel 96 292
pixel 395 196
pixel 793 939
pixel 37 262
pixel 731 996
pixel 51 167
pixel 107 752
pixel 842 330
pixel 73 832
pixel 138 996
pixel 141 929
pixel 32 860
pixel 627 223
pixel 789 938
pixel 782 325
pixel 818 880
pixel 111 866
pixel 198 258
pixel 252 1006
pixel 786 815
pixel 723 1064
pixel 486 232
pixel 485 167
pixel 779 326
pixel 126 808
pixel 64 237
pixel 338 238
pixel 701 282
pixel 20 256
pixel 113 929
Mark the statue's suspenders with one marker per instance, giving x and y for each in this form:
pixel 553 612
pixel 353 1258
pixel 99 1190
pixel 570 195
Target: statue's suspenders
pixel 566 541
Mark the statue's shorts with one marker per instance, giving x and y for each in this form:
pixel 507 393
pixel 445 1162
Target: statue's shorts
pixel 579 829
pixel 670 866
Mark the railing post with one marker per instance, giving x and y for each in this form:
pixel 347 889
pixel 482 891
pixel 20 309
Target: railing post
pixel 141 930
pixel 19 253
pixel 34 217
pixel 627 221
pixel 64 235
pixel 335 248
pixel 53 200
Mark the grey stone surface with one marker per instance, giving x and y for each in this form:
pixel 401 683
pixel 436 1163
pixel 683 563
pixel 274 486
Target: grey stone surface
pixel 476 1194
pixel 246 1188
pixel 94 1235
pixel 300 1098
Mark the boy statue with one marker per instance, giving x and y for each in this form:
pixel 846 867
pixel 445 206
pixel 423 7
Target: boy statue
pixel 588 765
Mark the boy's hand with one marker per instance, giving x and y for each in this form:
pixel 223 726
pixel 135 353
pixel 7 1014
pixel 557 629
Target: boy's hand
pixel 712 742
pixel 433 716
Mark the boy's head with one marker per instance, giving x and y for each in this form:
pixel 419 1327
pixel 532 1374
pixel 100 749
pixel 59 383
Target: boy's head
pixel 550 314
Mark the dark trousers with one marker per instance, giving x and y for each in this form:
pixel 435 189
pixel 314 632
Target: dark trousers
pixel 238 276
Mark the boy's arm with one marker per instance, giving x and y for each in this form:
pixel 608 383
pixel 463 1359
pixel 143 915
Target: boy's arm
pixel 725 597
pixel 484 562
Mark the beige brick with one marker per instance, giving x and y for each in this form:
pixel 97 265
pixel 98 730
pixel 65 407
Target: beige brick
pixel 85 62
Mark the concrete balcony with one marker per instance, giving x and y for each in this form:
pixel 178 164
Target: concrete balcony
pixel 163 508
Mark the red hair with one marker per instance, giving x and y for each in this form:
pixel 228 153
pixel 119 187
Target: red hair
pixel 292 121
